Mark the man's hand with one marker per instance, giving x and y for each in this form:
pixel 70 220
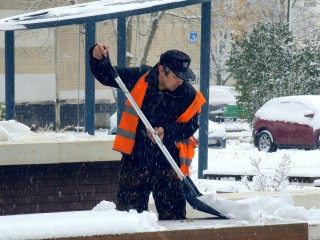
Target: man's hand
pixel 100 51
pixel 158 131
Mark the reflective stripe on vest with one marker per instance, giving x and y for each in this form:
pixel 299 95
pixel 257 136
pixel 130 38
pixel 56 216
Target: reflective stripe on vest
pixel 126 132
pixel 186 153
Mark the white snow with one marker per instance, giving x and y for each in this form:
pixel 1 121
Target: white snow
pixel 12 130
pixel 105 219
pixel 215 130
pixel 262 208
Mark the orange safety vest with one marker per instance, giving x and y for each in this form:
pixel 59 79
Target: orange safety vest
pixel 186 147
pixel 126 131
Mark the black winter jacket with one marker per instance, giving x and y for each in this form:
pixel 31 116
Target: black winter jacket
pixel 161 108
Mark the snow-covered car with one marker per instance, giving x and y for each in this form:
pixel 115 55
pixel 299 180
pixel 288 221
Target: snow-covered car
pixel 218 98
pixel 216 134
pixel 113 124
pixel 288 122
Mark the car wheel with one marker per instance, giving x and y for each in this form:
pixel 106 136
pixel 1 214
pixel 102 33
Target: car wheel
pixel 317 146
pixel 266 142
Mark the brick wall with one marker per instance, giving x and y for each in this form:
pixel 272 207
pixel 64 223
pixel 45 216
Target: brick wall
pixel 293 231
pixel 56 187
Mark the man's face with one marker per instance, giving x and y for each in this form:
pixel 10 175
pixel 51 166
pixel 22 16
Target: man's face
pixel 169 81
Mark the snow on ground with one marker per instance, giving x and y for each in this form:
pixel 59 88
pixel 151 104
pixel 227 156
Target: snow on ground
pixel 102 220
pixel 105 219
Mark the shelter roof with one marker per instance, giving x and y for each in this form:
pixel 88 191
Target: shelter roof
pixel 89 12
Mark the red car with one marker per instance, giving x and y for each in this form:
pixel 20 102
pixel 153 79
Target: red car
pixel 288 122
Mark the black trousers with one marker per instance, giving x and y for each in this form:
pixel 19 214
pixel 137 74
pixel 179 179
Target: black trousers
pixel 138 180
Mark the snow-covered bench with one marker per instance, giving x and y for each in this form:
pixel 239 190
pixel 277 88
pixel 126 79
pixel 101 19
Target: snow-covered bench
pixel 299 175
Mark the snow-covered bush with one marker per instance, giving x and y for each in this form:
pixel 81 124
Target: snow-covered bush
pixel 269 62
pixel 262 182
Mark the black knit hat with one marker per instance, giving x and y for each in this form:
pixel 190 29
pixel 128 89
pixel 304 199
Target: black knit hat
pixel 178 62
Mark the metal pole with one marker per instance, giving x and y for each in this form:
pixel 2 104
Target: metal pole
pixel 9 75
pixel 204 86
pixel 89 81
pixel 121 61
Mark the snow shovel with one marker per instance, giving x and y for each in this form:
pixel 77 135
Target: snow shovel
pixel 190 191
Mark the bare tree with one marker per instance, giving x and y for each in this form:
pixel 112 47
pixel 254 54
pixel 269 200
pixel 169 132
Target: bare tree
pixel 155 19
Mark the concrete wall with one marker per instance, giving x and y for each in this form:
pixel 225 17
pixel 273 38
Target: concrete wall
pixel 52 176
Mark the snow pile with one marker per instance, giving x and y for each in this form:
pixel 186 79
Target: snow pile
pixel 12 130
pixel 261 208
pixel 103 219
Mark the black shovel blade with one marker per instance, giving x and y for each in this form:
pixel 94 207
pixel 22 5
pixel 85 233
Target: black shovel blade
pixel 191 194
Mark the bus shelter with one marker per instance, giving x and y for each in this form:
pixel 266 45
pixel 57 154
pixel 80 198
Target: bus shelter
pixel 88 14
